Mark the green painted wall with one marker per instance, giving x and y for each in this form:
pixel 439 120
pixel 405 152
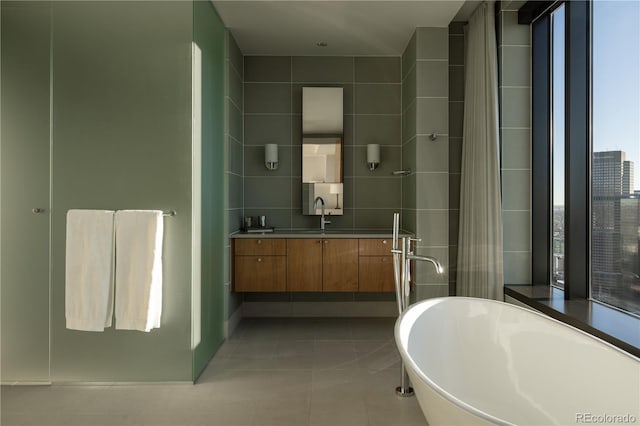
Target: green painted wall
pixel 208 34
pixel 24 152
pixel 122 140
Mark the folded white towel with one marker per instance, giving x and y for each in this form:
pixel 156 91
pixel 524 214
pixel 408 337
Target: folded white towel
pixel 89 270
pixel 138 269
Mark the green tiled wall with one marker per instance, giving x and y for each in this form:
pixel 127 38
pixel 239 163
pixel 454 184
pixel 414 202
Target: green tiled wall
pixel 272 114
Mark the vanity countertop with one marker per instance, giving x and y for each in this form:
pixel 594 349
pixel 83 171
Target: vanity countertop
pixel 316 233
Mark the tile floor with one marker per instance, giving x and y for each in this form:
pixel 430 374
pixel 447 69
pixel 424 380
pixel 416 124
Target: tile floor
pixel 285 372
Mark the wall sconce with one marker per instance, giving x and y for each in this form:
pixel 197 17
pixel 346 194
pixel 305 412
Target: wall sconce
pixel 373 156
pixel 271 156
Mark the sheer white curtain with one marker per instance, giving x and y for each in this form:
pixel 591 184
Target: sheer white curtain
pixel 479 271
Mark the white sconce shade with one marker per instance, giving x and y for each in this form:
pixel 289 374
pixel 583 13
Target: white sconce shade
pixel 271 156
pixel 373 156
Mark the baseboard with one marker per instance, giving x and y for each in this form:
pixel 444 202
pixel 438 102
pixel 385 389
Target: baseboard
pixel 320 309
pixel 231 324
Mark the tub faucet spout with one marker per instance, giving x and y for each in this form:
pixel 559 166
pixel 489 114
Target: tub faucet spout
pixel 436 264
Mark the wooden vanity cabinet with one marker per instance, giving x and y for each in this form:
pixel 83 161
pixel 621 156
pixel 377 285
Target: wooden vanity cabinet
pixel 375 265
pixel 304 264
pixel 327 264
pixel 340 264
pixel 260 265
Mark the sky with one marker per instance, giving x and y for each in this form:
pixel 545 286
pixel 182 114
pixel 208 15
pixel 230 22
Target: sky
pixel 616 84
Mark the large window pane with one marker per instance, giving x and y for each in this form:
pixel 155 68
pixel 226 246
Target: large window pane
pixel 615 235
pixel 558 145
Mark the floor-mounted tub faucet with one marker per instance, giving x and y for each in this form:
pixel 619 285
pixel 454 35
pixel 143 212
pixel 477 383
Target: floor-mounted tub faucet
pixel 323 221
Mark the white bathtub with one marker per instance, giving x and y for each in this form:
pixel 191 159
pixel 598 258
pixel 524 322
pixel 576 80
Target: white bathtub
pixel 474 361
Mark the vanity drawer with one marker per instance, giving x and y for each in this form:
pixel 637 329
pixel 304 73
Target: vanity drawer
pixel 260 247
pixel 260 273
pixel 375 246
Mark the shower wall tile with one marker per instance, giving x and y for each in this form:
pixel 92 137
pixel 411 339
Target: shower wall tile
pixel 518 226
pixel 375 218
pixel 409 155
pixel 271 192
pixel 456 49
pixel 517 267
pixel 409 192
pixel 513 197
pixel 516 66
pixel 432 191
pixel 270 69
pixel 423 292
pixel 515 107
pixel 432 79
pixel 234 116
pixel 267 98
pixel 409 88
pixel 234 88
pixel 456 87
pixel 322 69
pixel 377 98
pixel 377 69
pixel 235 156
pixel 261 129
pixel 514 34
pixel 433 155
pixel 455 154
pixel 433 227
pixel 409 55
pixel 516 148
pixel 409 122
pixel 432 116
pixel 432 43
pixel 456 116
pixel 376 193
pixel 408 220
pixel 380 129
pixel 515 140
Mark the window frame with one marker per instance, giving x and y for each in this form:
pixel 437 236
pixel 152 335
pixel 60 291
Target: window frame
pixel 577 149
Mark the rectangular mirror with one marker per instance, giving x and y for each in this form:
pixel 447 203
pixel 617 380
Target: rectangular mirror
pixel 322 150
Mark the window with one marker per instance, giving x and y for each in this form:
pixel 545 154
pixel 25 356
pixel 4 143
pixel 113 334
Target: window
pixel 557 145
pixel 586 141
pixel 615 191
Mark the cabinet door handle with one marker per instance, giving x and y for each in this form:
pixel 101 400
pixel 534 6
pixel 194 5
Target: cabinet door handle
pixel 259 241
pixel 384 259
pixel 259 259
pixel 326 241
pixel 318 242
pixel 384 241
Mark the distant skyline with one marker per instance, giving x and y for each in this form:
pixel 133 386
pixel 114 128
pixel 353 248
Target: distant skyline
pixel 616 86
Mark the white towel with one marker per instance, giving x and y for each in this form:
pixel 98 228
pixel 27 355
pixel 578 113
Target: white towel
pixel 138 269
pixel 89 270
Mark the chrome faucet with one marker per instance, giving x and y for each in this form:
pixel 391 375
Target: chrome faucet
pixel 323 221
pixel 438 265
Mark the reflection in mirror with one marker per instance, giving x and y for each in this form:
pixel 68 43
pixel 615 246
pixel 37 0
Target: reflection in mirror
pixel 322 151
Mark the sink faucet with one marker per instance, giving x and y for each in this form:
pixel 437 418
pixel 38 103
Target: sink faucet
pixel 323 221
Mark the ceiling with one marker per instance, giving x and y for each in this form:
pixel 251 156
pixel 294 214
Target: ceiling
pixel 349 28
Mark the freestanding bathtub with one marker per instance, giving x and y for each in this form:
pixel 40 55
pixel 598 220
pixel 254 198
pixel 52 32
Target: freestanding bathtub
pixel 475 361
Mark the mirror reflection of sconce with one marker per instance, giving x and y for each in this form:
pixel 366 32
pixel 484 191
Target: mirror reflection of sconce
pixel 336 188
pixel 373 156
pixel 271 156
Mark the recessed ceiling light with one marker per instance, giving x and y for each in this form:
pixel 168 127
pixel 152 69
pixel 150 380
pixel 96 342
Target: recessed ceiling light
pixel 321 44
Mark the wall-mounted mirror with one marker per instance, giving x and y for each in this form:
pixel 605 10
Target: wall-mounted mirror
pixel 322 150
